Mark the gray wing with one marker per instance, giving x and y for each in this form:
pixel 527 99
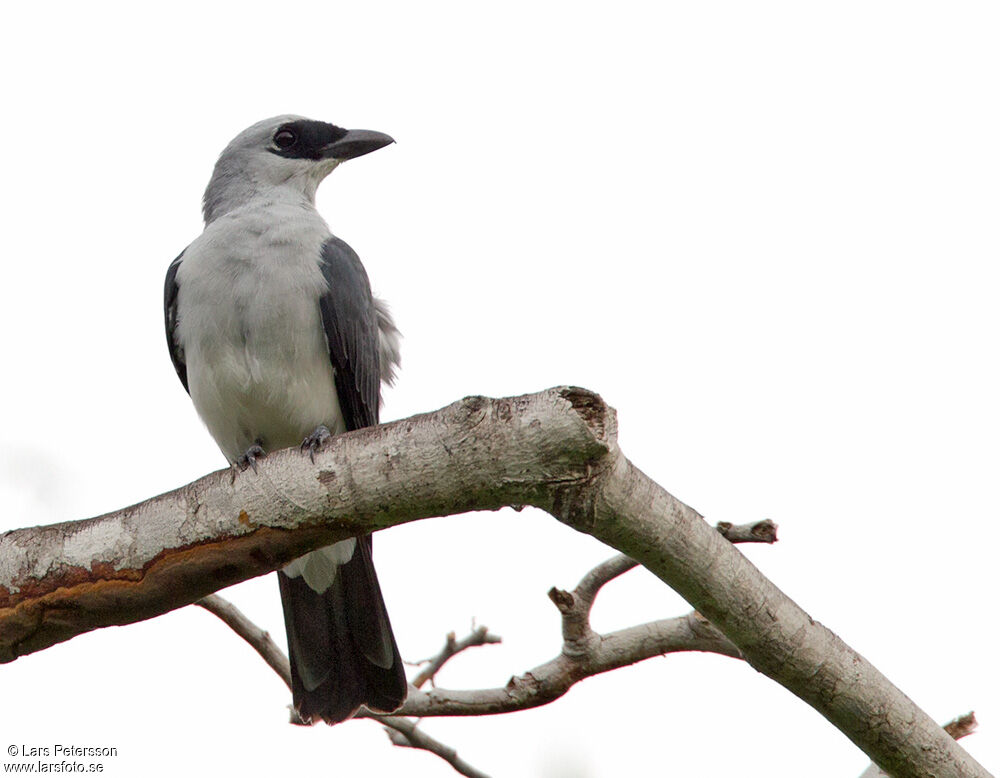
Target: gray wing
pixel 350 320
pixel 170 291
pixel 340 641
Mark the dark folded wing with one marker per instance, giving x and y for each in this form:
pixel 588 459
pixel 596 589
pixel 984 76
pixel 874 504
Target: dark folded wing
pixel 340 643
pixel 351 324
pixel 170 291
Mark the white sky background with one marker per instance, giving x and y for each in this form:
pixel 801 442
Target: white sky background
pixel 766 233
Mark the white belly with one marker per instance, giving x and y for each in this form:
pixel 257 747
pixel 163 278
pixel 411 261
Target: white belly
pixel 250 326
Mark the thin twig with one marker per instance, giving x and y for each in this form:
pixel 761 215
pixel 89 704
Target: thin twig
pixel 603 574
pixel 405 733
pixel 575 606
pixel 961 726
pixel 584 653
pixel 480 636
pixel 550 681
pixel 251 633
pixel 765 531
pixel 261 642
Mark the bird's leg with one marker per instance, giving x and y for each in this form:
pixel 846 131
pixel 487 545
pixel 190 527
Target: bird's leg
pixel 315 441
pixel 250 456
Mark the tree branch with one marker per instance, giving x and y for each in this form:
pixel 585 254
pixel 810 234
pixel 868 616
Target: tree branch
pixel 551 680
pixel 586 591
pixel 406 733
pixel 402 732
pixel 546 683
pixel 962 726
pixel 584 653
pixel 765 531
pixel 556 450
pixel 480 636
pixel 958 728
pixel 259 639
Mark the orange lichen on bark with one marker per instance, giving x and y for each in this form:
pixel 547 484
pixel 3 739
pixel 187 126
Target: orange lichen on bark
pixel 56 607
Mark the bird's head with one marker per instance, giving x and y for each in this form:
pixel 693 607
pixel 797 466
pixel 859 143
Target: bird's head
pixel 286 154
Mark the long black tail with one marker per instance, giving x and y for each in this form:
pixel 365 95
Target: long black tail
pixel 340 643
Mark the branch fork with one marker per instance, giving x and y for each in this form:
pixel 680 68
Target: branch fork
pixel 556 450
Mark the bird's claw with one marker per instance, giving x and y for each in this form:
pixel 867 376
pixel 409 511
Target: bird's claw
pixel 250 456
pixel 315 441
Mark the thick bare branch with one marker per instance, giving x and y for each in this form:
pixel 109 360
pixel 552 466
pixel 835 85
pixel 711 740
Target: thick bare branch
pixel 774 635
pixel 480 636
pixel 60 580
pixel 958 728
pixel 556 450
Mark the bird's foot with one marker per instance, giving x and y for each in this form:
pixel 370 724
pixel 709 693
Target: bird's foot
pixel 250 456
pixel 315 441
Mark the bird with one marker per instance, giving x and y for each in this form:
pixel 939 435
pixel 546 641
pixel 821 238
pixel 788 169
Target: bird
pixel 275 334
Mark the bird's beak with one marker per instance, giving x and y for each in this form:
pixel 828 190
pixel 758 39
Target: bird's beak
pixel 355 144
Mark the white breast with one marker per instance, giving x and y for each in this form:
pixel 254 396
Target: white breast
pixel 250 326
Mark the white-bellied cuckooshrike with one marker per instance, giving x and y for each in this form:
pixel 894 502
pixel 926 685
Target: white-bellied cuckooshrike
pixel 274 333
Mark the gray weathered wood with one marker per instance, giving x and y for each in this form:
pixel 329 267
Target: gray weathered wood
pixel 556 450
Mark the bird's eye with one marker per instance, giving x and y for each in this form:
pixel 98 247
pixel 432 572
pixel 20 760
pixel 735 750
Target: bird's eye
pixel 284 139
